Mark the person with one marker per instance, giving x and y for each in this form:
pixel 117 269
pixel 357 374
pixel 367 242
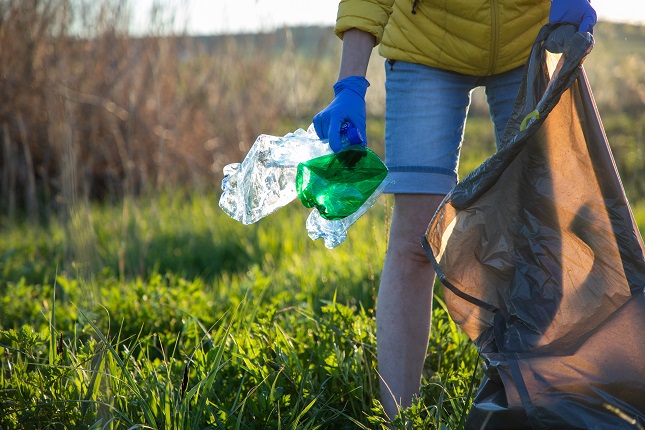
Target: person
pixel 436 53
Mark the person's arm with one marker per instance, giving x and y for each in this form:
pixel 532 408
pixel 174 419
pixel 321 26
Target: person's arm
pixel 349 101
pixel 357 48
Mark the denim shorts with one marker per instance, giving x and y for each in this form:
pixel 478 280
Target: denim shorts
pixel 425 116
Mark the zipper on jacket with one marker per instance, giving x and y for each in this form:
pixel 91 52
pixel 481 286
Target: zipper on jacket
pixel 494 39
pixel 414 7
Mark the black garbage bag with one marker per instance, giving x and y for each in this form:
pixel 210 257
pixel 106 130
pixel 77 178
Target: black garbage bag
pixel 542 262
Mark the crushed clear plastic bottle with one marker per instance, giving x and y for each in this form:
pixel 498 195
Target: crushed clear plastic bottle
pixel 265 181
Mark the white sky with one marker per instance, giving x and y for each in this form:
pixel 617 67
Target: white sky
pixel 233 16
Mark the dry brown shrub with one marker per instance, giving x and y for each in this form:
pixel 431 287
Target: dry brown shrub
pixel 90 111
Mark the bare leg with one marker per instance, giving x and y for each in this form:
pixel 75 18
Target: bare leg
pixel 405 302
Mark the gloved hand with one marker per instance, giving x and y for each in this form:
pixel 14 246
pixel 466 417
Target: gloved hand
pixel 578 12
pixel 347 106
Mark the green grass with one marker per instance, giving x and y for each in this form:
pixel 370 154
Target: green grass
pixel 173 316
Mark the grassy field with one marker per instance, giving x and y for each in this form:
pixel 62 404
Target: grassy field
pixel 178 317
pixel 173 316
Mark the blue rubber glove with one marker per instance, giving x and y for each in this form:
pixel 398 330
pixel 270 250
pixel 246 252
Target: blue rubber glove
pixel 347 106
pixel 578 12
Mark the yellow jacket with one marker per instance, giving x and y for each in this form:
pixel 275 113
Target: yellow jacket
pixel 474 37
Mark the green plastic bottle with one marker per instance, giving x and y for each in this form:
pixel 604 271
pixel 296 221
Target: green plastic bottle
pixel 338 184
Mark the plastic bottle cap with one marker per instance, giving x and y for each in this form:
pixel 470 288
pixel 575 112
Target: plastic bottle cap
pixel 354 135
pixel 350 135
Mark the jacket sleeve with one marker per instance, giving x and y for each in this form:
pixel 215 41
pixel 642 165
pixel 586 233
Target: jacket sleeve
pixel 370 16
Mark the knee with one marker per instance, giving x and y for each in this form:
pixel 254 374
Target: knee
pixel 412 213
pixel 408 250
